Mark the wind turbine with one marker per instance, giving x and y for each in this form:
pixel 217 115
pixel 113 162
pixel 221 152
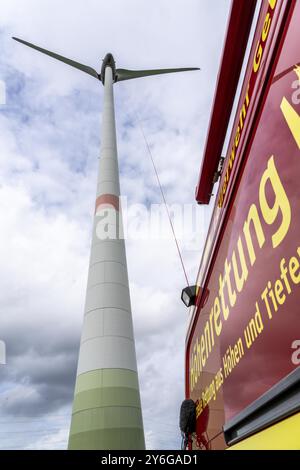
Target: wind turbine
pixel 106 408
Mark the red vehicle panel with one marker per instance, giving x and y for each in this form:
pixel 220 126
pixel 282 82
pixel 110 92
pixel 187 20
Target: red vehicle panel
pixel 241 336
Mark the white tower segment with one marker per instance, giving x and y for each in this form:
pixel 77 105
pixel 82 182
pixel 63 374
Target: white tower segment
pixel 107 409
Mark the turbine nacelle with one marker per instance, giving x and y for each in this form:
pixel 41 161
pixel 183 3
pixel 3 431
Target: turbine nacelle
pixel 108 61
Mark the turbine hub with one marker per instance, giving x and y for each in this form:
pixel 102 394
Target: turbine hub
pixel 108 61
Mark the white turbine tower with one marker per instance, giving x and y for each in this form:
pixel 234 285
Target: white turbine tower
pixel 107 408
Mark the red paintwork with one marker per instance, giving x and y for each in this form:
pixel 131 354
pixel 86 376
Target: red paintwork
pixel 107 199
pixel 265 133
pixel 232 60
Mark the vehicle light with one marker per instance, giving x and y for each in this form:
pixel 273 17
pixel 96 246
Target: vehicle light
pixel 189 295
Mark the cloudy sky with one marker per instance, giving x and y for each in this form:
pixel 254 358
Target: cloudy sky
pixel 49 147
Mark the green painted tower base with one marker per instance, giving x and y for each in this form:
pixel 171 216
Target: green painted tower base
pixel 96 420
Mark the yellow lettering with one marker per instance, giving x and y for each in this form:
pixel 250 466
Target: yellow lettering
pixel 266 28
pixel 247 96
pixel 281 202
pixel 217 311
pixel 237 137
pixel 253 217
pixel 294 267
pixel 202 349
pixel 257 57
pixel 240 279
pixel 292 119
pixel 207 338
pixel 278 288
pixel 272 3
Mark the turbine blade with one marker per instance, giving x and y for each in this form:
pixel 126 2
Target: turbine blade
pixel 77 65
pixel 124 74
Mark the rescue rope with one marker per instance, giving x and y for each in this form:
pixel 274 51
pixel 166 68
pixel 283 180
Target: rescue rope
pixel 164 199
